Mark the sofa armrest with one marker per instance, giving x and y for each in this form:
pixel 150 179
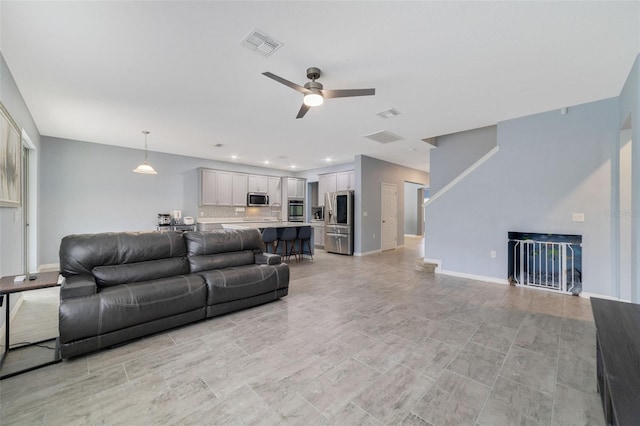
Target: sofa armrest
pixel 267 259
pixel 78 286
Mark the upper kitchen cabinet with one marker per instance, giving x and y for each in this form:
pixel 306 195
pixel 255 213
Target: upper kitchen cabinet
pixel 258 183
pixel 326 183
pixel 346 180
pixel 295 187
pixel 208 187
pixel 224 187
pixel 239 189
pixel 274 188
pixel 215 188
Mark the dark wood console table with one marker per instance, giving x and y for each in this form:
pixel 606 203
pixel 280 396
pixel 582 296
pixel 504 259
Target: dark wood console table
pixel 618 357
pixel 8 287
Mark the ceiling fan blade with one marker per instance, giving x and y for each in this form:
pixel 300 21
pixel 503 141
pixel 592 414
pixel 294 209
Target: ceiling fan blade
pixel 347 93
pixel 286 82
pixel 303 110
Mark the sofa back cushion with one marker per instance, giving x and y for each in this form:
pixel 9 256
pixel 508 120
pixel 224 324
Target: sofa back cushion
pixel 81 253
pixel 140 271
pixel 222 248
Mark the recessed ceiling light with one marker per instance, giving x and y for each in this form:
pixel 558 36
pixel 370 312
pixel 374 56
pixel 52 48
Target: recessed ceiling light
pixel 328 159
pixel 413 150
pixel 234 157
pixel 266 162
pixel 293 166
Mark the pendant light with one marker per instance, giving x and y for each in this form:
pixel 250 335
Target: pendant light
pixel 145 168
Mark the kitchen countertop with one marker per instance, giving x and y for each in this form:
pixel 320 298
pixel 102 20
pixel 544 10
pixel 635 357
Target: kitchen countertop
pixel 267 224
pixel 222 220
pixel 253 223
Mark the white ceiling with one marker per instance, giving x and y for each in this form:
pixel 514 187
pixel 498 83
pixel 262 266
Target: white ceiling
pixel 103 71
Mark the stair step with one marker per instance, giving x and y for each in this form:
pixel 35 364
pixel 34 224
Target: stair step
pixel 427 267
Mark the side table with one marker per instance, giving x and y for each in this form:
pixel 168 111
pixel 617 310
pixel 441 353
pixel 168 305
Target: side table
pixel 8 287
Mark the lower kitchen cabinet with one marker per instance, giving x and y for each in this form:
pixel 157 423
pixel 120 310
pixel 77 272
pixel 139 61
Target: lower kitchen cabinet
pixel 318 236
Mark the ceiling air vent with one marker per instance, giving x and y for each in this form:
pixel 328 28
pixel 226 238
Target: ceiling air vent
pixel 389 113
pixel 383 137
pixel 261 42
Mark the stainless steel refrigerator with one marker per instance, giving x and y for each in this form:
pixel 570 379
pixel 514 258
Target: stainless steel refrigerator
pixel 338 222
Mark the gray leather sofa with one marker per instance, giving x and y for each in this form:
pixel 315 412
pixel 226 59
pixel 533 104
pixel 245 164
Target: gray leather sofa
pixel 125 285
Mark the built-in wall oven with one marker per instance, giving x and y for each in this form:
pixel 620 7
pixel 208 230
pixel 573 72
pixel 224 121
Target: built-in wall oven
pixel 296 210
pixel 338 222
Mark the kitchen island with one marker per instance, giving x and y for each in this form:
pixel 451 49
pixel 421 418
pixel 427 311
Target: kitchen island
pixel 208 224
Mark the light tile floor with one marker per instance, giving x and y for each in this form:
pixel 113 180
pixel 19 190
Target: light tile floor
pixel 357 341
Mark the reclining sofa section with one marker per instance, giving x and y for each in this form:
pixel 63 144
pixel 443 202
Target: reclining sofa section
pixel 121 286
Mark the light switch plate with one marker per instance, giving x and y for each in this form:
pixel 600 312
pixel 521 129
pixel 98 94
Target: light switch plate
pixel 577 217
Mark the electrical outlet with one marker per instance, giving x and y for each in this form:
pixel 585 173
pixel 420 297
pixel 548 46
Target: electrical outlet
pixel 577 217
pixel 364 214
pixel 374 236
pixel 493 254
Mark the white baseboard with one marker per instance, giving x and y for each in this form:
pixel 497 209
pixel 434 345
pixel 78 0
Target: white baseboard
pixel 474 277
pixel 49 267
pixel 602 296
pixel 366 253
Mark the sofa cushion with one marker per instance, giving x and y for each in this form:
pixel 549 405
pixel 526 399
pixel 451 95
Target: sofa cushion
pixel 241 282
pixel 140 271
pixel 223 241
pixel 80 253
pixel 127 305
pixel 221 260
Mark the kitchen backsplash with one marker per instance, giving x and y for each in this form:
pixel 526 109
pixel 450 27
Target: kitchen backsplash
pixel 228 211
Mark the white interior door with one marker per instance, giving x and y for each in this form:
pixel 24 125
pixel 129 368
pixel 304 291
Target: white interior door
pixel 389 217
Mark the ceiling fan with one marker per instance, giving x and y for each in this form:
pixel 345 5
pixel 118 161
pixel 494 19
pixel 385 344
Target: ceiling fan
pixel 314 94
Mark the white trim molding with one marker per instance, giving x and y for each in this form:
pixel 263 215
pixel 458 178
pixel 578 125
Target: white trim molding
pixel 462 175
pixel 367 253
pixel 474 277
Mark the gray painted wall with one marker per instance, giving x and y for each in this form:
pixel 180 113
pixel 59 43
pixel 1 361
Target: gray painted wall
pixel 411 203
pixel 88 187
pixel 456 152
pixel 629 104
pixel 10 230
pixel 548 167
pixel 370 174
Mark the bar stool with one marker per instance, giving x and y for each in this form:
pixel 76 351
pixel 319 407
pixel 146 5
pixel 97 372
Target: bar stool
pixel 270 237
pixel 304 236
pixel 288 235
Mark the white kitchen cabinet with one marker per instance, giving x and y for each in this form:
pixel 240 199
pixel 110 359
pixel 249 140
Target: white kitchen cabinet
pixel 258 183
pixel 208 187
pixel 225 191
pixel 346 181
pixel 318 236
pixel 295 187
pixel 239 189
pixel 274 188
pixel 215 188
pixel 326 183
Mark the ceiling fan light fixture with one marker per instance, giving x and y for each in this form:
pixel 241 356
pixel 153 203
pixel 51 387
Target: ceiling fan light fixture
pixel 313 99
pixel 145 168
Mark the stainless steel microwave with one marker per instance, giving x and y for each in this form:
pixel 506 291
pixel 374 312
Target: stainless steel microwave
pixel 257 199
